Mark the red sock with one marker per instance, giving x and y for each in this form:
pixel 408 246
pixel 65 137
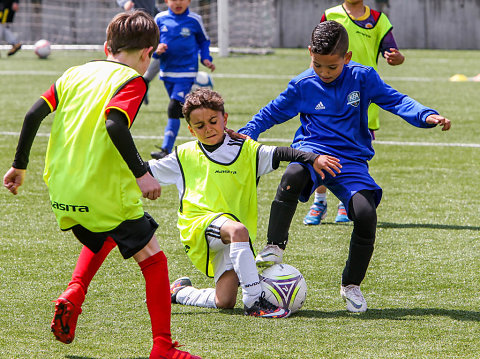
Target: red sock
pixel 89 263
pixel 159 304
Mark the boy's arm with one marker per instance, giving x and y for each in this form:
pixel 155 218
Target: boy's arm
pixel 398 103
pixel 203 42
pixel 319 162
pixel 34 117
pixel 389 50
pixel 282 109
pixel 117 128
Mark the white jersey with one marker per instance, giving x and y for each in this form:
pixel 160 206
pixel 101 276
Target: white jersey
pixel 167 170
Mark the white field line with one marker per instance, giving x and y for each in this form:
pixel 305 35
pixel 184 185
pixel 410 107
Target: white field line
pixel 288 141
pixel 230 76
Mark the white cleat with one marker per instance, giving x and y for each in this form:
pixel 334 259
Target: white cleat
pixel 270 255
pixel 353 297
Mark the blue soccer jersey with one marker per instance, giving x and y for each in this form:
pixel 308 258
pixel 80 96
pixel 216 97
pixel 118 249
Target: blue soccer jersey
pixel 333 115
pixel 186 38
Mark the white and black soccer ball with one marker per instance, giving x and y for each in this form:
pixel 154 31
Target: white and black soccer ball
pixel 284 286
pixel 203 80
pixel 42 48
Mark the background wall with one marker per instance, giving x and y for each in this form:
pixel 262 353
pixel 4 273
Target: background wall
pixel 431 24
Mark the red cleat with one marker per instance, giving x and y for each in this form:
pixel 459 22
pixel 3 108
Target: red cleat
pixel 174 353
pixel 66 314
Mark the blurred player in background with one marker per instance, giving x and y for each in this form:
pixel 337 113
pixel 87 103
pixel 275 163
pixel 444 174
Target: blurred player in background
pixel 370 34
pixel 182 39
pixel 8 8
pixel 95 175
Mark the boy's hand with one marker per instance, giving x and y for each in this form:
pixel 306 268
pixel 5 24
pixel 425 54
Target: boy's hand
pixel 161 48
pixel 128 5
pixel 394 57
pixel 439 120
pixel 149 186
pixel 327 163
pixel 236 135
pixel 209 64
pixel 13 179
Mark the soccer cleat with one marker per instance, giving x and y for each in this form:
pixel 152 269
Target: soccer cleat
pixel 342 214
pixel 159 154
pixel 14 49
pixel 264 309
pixel 353 297
pixel 270 255
pixel 174 353
pixel 317 212
pixel 178 285
pixel 66 313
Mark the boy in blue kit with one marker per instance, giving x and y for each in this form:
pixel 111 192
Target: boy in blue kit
pixel 370 33
pixel 216 177
pixel 332 98
pixel 182 39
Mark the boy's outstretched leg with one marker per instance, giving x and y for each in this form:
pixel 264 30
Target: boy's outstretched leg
pixel 68 306
pixel 155 271
pixel 281 213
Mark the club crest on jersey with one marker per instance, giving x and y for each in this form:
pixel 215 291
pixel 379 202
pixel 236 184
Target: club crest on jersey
pixel 353 98
pixel 185 32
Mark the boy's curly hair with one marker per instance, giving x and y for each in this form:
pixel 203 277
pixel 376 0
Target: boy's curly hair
pixel 202 98
pixel 132 31
pixel 329 38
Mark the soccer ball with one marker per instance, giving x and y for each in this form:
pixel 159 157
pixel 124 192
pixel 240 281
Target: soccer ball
pixel 284 286
pixel 42 48
pixel 203 79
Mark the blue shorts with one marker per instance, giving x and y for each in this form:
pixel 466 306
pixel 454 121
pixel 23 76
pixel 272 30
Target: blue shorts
pixel 178 89
pixel 353 178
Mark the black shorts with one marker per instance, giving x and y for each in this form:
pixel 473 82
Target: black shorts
pixel 131 235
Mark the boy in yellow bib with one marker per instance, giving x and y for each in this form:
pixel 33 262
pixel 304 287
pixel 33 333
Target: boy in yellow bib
pixel 96 177
pixel 216 177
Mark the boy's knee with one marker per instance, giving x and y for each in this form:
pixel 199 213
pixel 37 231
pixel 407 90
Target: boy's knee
pixel 225 303
pixel 238 232
pixel 174 109
pixel 292 183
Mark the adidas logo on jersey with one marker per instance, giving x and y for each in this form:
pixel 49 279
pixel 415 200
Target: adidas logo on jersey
pixel 320 106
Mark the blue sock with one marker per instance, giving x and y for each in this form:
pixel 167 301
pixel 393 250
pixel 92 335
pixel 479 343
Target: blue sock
pixel 171 132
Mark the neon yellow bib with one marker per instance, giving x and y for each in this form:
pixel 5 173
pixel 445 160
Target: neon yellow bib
pixel 365 46
pixel 89 182
pixel 212 189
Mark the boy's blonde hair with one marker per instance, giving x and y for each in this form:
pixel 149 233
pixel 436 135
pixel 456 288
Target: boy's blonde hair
pixel 132 31
pixel 202 98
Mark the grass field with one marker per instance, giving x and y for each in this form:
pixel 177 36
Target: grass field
pixel 422 287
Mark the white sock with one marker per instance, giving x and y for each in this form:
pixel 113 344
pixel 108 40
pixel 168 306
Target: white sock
pixel 197 297
pixel 320 197
pixel 244 265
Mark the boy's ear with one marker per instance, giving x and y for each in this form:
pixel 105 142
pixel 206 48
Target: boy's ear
pixel 191 131
pixel 348 57
pixel 146 52
pixel 105 48
pixel 225 116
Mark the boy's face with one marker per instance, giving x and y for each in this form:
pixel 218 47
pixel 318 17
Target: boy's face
pixel 178 6
pixel 208 125
pixel 329 67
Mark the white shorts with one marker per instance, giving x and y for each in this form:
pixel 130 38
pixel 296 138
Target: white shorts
pixel 220 251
